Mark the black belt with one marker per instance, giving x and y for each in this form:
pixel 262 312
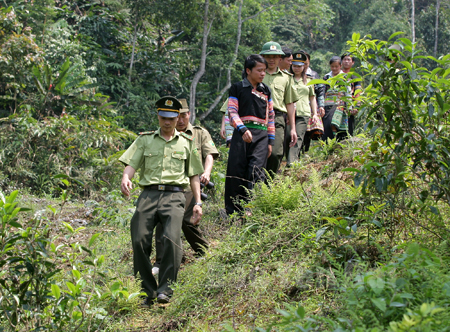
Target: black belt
pixel 164 187
pixel 277 112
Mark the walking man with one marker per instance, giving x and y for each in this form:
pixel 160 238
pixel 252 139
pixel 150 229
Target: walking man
pixel 284 96
pixel 208 153
pixel 347 63
pixel 168 161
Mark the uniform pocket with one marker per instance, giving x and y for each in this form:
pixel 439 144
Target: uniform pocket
pixel 178 159
pixel 152 159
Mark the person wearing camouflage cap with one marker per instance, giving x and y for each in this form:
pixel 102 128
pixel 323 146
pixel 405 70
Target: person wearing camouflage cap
pixel 168 162
pixel 284 97
pixel 208 152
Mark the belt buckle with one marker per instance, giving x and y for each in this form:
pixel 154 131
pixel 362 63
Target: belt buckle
pixel 161 187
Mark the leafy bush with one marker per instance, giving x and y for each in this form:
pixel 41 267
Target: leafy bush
pixel 38 291
pixel 33 152
pixel 409 294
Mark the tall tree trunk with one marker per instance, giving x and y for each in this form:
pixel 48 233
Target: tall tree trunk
pixel 413 28
pixel 438 4
pixel 233 59
pixel 198 75
pixel 236 49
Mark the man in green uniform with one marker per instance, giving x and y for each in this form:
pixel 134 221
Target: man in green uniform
pixel 168 161
pixel 208 152
pixel 284 96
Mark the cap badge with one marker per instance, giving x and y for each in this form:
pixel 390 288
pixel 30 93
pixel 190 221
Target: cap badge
pixel 297 56
pixel 273 48
pixel 168 103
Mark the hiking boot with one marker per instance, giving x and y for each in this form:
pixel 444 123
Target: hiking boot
pixel 163 298
pixel 147 302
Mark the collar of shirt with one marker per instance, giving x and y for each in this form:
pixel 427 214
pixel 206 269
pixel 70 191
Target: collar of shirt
pixel 246 83
pixel 176 134
pixel 189 129
pixel 278 71
pixel 331 73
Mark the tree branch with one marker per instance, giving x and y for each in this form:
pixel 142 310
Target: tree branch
pixel 201 70
pixel 230 65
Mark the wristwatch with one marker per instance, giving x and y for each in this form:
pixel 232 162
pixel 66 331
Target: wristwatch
pixel 199 204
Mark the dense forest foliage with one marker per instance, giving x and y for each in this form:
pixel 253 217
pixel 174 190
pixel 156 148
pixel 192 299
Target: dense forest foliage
pixel 115 58
pixel 354 237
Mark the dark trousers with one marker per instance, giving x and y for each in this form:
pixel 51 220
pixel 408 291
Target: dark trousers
pixel 191 233
pixel 328 132
pixel 292 154
pixel 166 208
pixel 327 118
pixel 351 124
pixel 246 164
pixel 274 161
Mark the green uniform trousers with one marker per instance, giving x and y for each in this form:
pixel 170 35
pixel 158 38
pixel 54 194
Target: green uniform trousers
pixel 274 161
pixel 166 208
pixel 191 232
pixel 301 124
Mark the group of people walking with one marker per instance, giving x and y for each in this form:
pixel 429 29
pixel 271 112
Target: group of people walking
pixel 270 112
pixel 273 113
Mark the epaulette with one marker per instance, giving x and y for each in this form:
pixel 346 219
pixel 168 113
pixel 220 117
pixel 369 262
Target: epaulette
pixel 147 132
pixel 199 127
pixel 189 137
pixel 286 72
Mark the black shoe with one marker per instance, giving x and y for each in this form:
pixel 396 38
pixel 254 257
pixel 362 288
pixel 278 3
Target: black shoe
pixel 147 302
pixel 163 298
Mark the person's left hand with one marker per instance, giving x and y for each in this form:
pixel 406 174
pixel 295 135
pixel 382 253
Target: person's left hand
pixel 197 215
pixel 321 112
pixel 205 178
pixel 270 151
pixel 293 138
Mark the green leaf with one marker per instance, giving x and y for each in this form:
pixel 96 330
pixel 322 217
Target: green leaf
pixel 93 238
pixel 76 274
pixel 320 232
pixel 377 285
pixel 430 110
pixel 68 227
pixel 301 311
pixel 397 304
pixel 395 34
pixel 406 41
pixel 76 315
pixel 72 288
pixel 379 303
pixel 406 296
pixel 317 81
pixel 56 292
pixel 11 198
pixel 434 210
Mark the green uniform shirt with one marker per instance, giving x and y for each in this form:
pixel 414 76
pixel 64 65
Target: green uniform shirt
pixel 203 141
pixel 281 85
pixel 302 106
pixel 163 162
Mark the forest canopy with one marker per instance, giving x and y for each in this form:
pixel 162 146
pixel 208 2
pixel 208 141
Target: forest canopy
pixel 117 57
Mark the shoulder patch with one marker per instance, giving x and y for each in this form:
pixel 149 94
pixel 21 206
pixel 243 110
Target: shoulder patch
pixel 147 132
pixel 189 137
